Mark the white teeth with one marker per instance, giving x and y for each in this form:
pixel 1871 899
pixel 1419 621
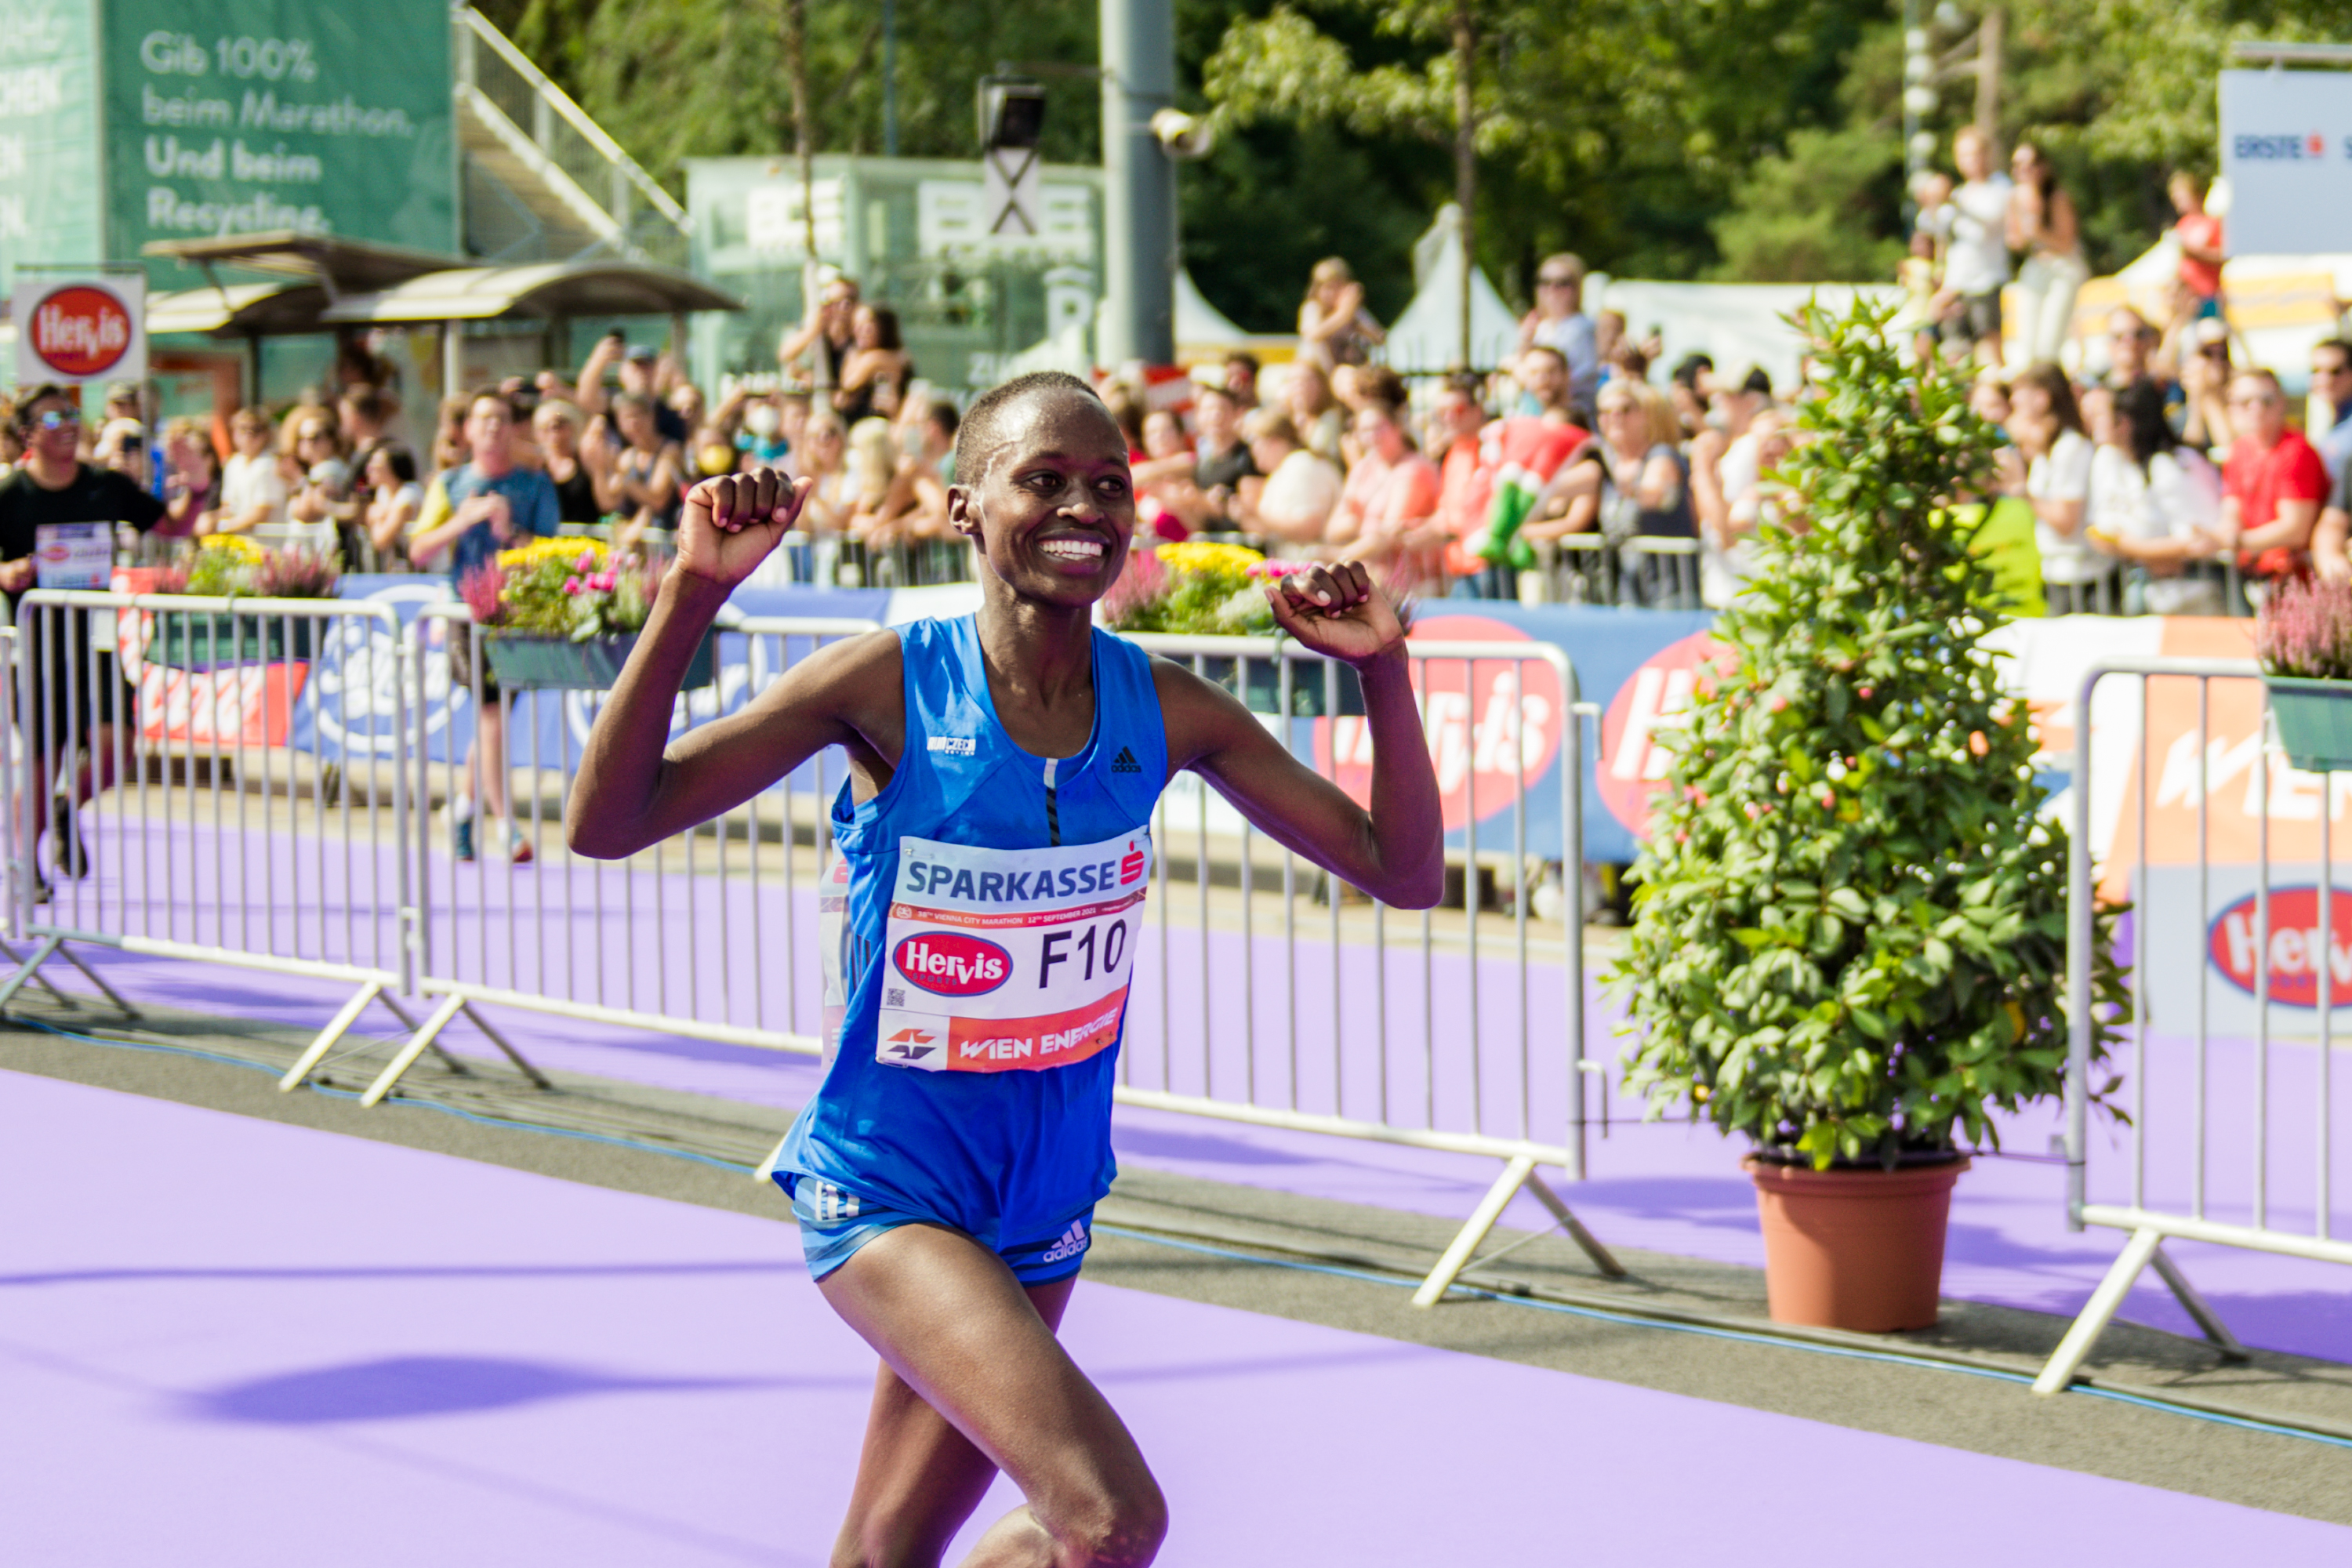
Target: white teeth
pixel 1072 549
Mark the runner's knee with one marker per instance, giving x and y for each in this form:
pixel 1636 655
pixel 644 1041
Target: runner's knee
pixel 1118 1530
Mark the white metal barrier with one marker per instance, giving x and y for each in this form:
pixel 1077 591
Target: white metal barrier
pixel 176 821
pixel 676 939
pixel 2182 1094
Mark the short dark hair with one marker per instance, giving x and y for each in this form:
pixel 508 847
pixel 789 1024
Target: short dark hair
pixel 1242 356
pixel 402 460
pixel 2338 344
pixel 983 432
pixel 1216 389
pixel 943 414
pixel 1380 383
pixel 1687 370
pixel 886 326
pixel 1758 380
pixel 371 402
pixel 1547 348
pixel 33 397
pixel 491 395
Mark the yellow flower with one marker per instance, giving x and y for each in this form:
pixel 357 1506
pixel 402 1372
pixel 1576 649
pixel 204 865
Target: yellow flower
pixel 232 543
pixel 565 549
pixel 1233 559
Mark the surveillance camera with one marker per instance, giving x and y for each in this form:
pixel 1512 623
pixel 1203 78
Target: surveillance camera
pixel 1183 135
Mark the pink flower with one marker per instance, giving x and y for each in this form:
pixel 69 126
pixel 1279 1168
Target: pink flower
pixel 572 585
pixel 602 582
pixel 587 562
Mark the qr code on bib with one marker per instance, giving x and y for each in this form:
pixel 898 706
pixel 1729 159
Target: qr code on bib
pixel 894 998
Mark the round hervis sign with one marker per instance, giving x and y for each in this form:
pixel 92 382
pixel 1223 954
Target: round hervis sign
pixel 1632 761
pixel 80 330
pixel 1493 724
pixel 2235 942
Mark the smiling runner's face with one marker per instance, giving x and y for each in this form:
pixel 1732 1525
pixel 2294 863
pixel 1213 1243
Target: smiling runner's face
pixel 1055 509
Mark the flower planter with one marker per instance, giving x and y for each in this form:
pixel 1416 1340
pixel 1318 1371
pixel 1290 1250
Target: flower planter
pixel 1264 685
pixel 2314 722
pixel 195 642
pixel 525 662
pixel 1860 1249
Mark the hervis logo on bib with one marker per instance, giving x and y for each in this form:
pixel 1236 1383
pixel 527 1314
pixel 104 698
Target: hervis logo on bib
pixel 952 964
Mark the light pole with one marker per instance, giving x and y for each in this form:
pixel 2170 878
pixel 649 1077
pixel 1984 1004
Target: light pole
pixel 1139 80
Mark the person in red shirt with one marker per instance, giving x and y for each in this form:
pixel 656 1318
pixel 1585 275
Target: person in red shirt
pixel 2200 233
pixel 2272 485
pixel 1465 481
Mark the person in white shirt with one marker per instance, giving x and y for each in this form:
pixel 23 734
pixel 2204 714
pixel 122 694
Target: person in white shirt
pixel 1974 226
pixel 2055 457
pixel 1292 504
pixel 253 492
pixel 2154 502
pixel 1558 322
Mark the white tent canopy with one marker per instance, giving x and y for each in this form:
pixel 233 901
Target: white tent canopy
pixel 1197 321
pixel 1428 335
pixel 1737 325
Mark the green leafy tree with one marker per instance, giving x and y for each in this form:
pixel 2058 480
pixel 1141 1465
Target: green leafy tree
pixel 1281 66
pixel 1848 937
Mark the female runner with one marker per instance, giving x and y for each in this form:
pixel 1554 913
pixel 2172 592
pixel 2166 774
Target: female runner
pixel 995 839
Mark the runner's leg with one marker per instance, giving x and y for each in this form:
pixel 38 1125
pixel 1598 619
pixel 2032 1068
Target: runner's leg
pixel 919 1479
pixel 982 1384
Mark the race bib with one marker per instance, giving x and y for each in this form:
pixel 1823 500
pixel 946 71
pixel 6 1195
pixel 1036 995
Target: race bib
pixel 1005 959
pixel 73 555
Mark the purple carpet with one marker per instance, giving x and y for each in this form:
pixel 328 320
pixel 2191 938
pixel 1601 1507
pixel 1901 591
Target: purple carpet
pixel 233 1341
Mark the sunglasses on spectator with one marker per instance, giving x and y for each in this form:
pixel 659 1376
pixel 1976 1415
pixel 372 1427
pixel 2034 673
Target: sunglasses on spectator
pixel 2331 369
pixel 56 419
pixel 2257 400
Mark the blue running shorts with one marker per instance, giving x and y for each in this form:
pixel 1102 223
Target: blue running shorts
pixel 836 1222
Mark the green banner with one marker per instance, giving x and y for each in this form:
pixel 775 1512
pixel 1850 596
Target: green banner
pixel 239 116
pixel 48 137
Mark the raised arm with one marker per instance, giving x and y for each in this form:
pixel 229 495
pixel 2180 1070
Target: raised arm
pixel 1395 850
pixel 636 787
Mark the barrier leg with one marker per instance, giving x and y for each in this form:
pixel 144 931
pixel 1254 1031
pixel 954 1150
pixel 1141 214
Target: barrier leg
pixel 2197 1308
pixel 767 1171
pixel 456 1065
pixel 26 970
pixel 418 1042
pixel 1603 1259
pixel 337 1027
pixel 2097 1313
pixel 513 1055
pixel 1482 1220
pixel 91 976
pixel 13 956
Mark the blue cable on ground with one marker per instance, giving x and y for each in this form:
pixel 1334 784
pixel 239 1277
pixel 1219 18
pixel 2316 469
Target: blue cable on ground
pixel 1596 1314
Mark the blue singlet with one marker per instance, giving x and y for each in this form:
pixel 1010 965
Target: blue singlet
pixel 993 900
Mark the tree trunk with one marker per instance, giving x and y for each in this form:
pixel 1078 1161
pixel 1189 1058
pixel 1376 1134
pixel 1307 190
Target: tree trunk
pixel 796 66
pixel 1989 49
pixel 1465 161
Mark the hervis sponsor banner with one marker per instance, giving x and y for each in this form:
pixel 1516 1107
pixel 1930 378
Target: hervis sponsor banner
pixel 2208 959
pixel 78 328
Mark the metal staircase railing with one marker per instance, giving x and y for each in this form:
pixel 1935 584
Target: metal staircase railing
pixel 539 125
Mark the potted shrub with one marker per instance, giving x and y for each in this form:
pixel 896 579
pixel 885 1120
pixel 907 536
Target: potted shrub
pixel 1848 943
pixel 562 613
pixel 231 566
pixel 2304 638
pixel 1203 589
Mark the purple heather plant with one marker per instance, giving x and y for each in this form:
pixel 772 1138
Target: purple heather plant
pixel 2305 630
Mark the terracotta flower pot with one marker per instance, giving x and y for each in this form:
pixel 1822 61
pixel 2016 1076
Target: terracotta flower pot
pixel 1858 1249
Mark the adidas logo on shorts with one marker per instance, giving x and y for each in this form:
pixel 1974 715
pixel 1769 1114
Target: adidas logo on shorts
pixel 1074 1241
pixel 1124 763
pixel 831 1205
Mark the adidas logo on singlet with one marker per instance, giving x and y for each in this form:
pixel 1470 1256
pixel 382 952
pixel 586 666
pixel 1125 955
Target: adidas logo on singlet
pixel 1124 763
pixel 1073 1242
